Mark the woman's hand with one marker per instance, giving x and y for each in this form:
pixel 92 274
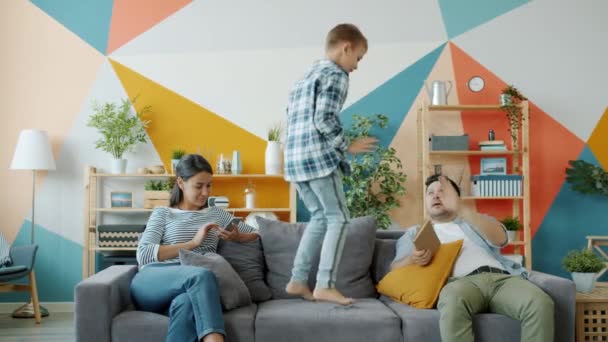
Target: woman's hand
pixel 202 233
pixel 231 235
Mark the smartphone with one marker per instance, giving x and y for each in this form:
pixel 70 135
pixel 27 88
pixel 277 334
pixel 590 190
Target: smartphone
pixel 234 222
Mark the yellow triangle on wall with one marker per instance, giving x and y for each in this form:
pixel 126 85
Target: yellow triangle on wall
pixel 177 122
pixel 597 141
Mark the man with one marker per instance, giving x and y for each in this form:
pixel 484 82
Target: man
pixel 482 279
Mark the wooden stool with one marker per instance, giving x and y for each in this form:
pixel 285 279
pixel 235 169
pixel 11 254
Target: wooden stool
pixel 595 242
pixel 592 315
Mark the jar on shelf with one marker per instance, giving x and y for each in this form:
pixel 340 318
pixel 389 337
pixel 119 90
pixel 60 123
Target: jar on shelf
pixel 250 196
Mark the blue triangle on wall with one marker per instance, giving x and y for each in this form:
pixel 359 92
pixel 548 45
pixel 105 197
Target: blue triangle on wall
pixel 90 20
pixel 461 16
pixel 571 218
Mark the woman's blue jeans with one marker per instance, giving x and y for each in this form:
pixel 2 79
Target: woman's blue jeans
pixel 188 294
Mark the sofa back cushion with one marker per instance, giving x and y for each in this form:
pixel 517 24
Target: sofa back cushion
pixel 280 242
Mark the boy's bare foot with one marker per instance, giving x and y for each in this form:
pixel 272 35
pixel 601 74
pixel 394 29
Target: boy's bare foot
pixel 299 289
pixel 331 295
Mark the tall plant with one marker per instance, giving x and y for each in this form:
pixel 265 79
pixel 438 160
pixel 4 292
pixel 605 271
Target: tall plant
pixel 376 182
pixel 119 130
pixel 587 178
pixel 512 110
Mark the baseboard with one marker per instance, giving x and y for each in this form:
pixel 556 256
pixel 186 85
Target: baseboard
pixel 51 307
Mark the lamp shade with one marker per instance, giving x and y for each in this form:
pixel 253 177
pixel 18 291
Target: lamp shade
pixel 33 151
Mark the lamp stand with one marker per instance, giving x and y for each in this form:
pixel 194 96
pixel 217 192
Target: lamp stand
pixel 27 310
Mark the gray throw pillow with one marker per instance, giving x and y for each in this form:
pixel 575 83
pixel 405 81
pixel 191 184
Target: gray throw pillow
pixel 233 292
pixel 247 260
pixel 280 242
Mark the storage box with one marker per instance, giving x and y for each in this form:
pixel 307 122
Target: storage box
pixel 450 142
pixel 119 235
pixel 592 315
pixel 153 199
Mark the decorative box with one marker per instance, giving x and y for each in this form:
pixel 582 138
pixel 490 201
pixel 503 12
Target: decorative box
pixel 153 199
pixel 119 235
pixel 450 142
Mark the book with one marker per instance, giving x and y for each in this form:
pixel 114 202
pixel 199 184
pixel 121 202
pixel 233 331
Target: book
pixel 492 147
pixel 426 238
pixel 491 142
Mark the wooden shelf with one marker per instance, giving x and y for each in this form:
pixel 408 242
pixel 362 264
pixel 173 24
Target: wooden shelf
pixel 144 210
pixel 161 175
pixel 516 243
pixel 492 197
pixel 451 108
pixel 472 153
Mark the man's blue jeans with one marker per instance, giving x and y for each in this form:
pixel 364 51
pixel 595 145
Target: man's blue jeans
pixel 324 198
pixel 188 294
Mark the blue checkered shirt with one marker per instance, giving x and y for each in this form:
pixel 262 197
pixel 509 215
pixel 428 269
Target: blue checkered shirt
pixel 316 143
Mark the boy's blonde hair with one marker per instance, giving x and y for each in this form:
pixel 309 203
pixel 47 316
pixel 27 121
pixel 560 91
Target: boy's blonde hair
pixel 344 33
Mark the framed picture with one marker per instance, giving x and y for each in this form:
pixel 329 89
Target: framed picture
pixel 121 199
pixel 493 166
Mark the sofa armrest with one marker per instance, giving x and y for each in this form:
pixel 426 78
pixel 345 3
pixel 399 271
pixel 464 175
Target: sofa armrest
pixel 98 299
pixel 563 293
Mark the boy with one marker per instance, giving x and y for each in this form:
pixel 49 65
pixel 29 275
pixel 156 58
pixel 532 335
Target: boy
pixel 314 160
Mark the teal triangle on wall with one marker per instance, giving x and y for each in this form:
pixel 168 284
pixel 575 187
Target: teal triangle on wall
pixel 393 98
pixel 89 19
pixel 572 217
pixel 461 16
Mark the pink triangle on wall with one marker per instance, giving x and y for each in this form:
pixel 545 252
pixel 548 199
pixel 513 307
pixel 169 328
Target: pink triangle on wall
pixel 130 18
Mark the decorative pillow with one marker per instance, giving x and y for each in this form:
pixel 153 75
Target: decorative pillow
pixel 233 292
pixel 280 242
pixel 419 286
pixel 5 249
pixel 247 260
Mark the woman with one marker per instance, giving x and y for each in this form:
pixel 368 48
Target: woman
pixel 188 294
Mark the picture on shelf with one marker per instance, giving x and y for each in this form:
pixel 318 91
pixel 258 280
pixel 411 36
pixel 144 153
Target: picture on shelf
pixel 121 199
pixel 493 166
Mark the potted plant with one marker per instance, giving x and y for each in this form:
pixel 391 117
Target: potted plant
pixel 273 156
pixel 512 225
pixel 509 103
pixel 176 155
pixel 584 266
pixel 119 130
pixel 587 178
pixel 376 182
pixel 157 193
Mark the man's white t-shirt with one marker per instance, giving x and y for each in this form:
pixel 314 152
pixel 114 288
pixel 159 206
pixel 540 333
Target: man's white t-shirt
pixel 471 256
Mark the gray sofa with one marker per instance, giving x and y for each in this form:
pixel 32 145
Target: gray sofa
pixel 104 310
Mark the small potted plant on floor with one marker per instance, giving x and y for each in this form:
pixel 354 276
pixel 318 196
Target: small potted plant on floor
pixel 584 266
pixel 176 155
pixel 509 103
pixel 512 225
pixel 273 155
pixel 120 131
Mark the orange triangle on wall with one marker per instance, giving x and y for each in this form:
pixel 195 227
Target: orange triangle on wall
pixel 177 122
pixel 130 18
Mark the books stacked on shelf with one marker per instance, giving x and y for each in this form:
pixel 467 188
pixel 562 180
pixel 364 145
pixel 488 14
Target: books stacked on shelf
pixel 492 145
pixel 496 185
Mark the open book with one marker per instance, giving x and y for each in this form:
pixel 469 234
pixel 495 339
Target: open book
pixel 426 238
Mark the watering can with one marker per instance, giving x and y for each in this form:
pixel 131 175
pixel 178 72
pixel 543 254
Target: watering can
pixel 438 92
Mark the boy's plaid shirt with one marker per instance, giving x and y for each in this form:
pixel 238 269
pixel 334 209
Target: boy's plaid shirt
pixel 316 143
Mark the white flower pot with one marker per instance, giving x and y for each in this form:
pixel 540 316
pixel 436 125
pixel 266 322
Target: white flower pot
pixel 512 235
pixel 119 166
pixel 273 158
pixel 585 282
pixel 174 163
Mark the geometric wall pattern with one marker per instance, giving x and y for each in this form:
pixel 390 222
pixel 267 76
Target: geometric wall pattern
pixel 217 77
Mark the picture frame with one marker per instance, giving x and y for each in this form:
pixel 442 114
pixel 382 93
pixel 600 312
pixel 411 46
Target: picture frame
pixel 121 199
pixel 493 166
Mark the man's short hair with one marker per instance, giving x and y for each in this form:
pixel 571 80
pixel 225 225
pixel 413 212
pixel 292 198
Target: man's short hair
pixel 345 33
pixel 435 178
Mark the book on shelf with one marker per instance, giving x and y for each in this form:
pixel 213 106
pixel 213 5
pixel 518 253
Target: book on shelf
pixel 496 185
pixel 492 147
pixel 491 142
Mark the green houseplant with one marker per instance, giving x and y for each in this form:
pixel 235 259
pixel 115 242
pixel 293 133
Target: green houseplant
pixel 176 155
pixel 509 103
pixel 119 130
pixel 584 265
pixel 376 182
pixel 587 178
pixel 273 156
pixel 512 225
pixel 157 193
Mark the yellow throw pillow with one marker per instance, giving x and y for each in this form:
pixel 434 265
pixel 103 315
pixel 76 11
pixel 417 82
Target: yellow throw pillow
pixel 419 286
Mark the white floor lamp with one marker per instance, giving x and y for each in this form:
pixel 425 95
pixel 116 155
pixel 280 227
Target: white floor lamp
pixel 33 152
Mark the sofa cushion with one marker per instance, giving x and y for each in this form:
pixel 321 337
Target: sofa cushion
pixel 280 242
pixel 419 286
pixel 233 292
pixel 384 253
pixel 247 259
pixel 423 325
pixel 297 320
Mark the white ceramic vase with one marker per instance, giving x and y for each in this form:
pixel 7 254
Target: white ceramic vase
pixel 512 235
pixel 119 166
pixel 584 282
pixel 273 158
